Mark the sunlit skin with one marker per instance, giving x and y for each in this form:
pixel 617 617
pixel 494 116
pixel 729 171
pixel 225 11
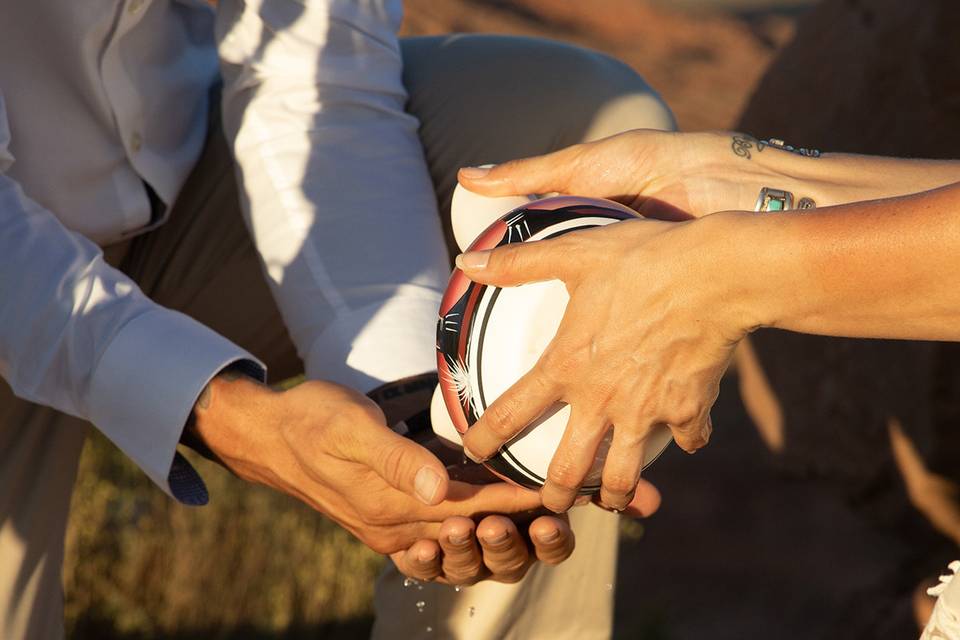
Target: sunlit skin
pixel 330 447
pixel 657 308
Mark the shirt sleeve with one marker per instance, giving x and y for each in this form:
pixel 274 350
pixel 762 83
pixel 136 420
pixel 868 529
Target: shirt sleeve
pixel 334 182
pixel 79 336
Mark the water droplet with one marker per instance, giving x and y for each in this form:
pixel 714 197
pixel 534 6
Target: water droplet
pixel 419 587
pixel 420 606
pixel 457 588
pixel 411 581
pixel 429 629
pixel 609 587
pixel 473 610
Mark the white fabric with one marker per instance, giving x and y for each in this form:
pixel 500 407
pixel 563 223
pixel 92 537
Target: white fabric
pixel 334 182
pixel 102 96
pixel 944 622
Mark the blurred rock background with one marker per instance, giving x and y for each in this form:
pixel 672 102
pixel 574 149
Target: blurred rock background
pixel 816 541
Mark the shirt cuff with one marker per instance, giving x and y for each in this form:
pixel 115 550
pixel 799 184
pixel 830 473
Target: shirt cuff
pixel 367 347
pixel 144 388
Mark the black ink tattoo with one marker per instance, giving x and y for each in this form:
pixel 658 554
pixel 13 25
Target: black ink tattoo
pixel 741 145
pixel 203 402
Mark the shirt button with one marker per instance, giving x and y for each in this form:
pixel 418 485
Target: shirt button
pixel 136 142
pixel 135 5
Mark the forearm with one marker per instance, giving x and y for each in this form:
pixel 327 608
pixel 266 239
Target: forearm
pixel 881 269
pixel 830 179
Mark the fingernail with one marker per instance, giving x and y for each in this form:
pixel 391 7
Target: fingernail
pixel 473 456
pixel 497 539
pixel 426 484
pixel 473 260
pixel 549 536
pixel 459 539
pixel 603 505
pixel 474 173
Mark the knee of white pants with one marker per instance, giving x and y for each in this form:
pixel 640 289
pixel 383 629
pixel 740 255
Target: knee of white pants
pixel 584 93
pixel 615 96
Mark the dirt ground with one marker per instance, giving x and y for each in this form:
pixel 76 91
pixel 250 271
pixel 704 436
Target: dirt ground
pixel 745 548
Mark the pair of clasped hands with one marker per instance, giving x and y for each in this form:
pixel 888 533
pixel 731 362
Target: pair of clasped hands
pixel 331 447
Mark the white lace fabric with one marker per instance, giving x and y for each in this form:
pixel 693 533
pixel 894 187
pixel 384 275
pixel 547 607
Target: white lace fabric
pixel 944 623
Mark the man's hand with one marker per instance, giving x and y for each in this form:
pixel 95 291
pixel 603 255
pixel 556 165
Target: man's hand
pixel 495 549
pixel 329 447
pixel 645 339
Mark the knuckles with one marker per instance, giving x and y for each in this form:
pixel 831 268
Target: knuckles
pixel 619 488
pixel 501 417
pixel 563 475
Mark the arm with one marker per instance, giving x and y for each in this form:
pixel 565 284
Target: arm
pixel 882 269
pixel 675 175
pixel 669 302
pixel 79 336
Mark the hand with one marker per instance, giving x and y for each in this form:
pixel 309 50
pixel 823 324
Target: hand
pixel 466 552
pixel 645 339
pixel 668 176
pixel 329 447
pixel 497 548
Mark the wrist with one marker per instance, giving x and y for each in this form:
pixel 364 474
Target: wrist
pixel 234 419
pixel 752 164
pixel 746 267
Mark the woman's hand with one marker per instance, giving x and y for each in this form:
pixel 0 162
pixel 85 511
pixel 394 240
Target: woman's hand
pixel 668 176
pixel 646 337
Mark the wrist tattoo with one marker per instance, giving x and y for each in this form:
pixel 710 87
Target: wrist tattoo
pixel 229 374
pixel 203 402
pixel 800 151
pixel 742 144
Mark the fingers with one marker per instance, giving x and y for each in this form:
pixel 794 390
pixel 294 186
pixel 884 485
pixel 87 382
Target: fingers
pixel 505 552
pixel 539 174
pixel 510 414
pixel 420 561
pixel 572 461
pixel 462 558
pixel 404 464
pixel 646 500
pixel 621 470
pixel 502 554
pixel 471 500
pixel 516 264
pixel 552 538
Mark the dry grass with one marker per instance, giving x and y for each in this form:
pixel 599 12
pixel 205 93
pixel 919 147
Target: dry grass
pixel 251 564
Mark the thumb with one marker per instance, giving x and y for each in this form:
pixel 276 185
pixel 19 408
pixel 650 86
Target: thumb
pixel 408 467
pixel 539 174
pixel 515 264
